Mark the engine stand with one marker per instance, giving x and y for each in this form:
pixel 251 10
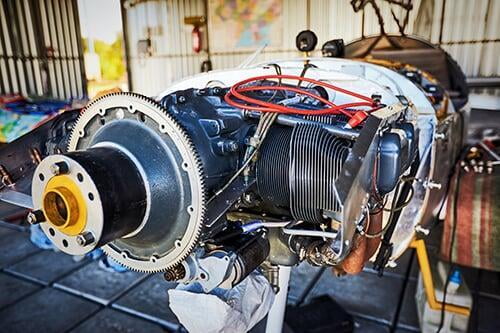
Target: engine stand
pixel 276 315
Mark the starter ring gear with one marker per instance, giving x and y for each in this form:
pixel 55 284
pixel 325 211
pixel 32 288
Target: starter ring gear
pixel 116 120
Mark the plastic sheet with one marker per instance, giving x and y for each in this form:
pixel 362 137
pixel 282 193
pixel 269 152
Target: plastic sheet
pixel 224 310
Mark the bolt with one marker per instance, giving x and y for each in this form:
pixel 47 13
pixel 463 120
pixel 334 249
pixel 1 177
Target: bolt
pixel 232 146
pixel 481 166
pixel 440 136
pixel 422 230
pixel 227 146
pixel 249 198
pixel 431 185
pixel 59 168
pixel 35 217
pixel 6 179
pixel 85 238
pixel 464 165
pixel 120 114
pixel 392 264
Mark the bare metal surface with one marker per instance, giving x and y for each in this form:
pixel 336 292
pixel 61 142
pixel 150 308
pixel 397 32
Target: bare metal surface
pixel 16 198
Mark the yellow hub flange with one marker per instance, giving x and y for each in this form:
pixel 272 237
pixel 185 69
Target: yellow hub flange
pixel 64 206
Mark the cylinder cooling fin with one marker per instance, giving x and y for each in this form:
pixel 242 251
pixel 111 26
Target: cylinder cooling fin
pixel 316 160
pixel 297 169
pixel 273 174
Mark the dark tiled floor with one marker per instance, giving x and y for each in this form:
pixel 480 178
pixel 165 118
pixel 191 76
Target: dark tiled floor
pixel 15 247
pixel 490 284
pixel 488 310
pixel 6 232
pixel 369 326
pixel 48 310
pixel 46 266
pixel 109 320
pixel 13 289
pixel 99 285
pixel 150 300
pixel 63 295
pixel 352 292
pixel 408 318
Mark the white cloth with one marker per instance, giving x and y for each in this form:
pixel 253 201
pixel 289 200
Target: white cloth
pixel 224 310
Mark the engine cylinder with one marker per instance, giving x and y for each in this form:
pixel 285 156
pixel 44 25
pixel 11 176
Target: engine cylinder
pixel 298 168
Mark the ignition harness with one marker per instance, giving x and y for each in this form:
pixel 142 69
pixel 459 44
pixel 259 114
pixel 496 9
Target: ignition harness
pixel 356 117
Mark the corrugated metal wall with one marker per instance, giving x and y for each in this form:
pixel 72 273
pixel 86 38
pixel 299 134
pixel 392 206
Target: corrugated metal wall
pixel 172 57
pixel 40 48
pixel 469 33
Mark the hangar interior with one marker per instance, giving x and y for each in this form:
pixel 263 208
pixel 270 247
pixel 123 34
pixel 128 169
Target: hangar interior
pixel 263 166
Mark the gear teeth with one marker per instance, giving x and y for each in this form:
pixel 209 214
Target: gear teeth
pixel 176 273
pixel 90 111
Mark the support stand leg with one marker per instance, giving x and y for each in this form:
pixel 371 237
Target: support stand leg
pixel 276 315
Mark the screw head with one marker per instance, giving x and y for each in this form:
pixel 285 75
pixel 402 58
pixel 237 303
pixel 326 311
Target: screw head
pixel 31 219
pixel 233 146
pixel 35 217
pixel 59 168
pixel 85 238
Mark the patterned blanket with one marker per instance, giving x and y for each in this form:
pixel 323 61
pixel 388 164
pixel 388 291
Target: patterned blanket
pixel 13 125
pixel 477 235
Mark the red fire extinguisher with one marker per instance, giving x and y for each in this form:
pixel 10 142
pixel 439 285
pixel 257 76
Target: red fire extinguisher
pixel 196 35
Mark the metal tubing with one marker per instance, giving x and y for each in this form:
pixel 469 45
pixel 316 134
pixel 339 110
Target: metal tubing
pixel 425 269
pixel 126 45
pixel 16 198
pixel 291 121
pixel 276 315
pixel 483 82
pixel 489 151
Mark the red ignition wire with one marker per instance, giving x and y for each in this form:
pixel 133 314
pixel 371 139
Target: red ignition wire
pixel 272 107
pixel 306 79
pixel 259 105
